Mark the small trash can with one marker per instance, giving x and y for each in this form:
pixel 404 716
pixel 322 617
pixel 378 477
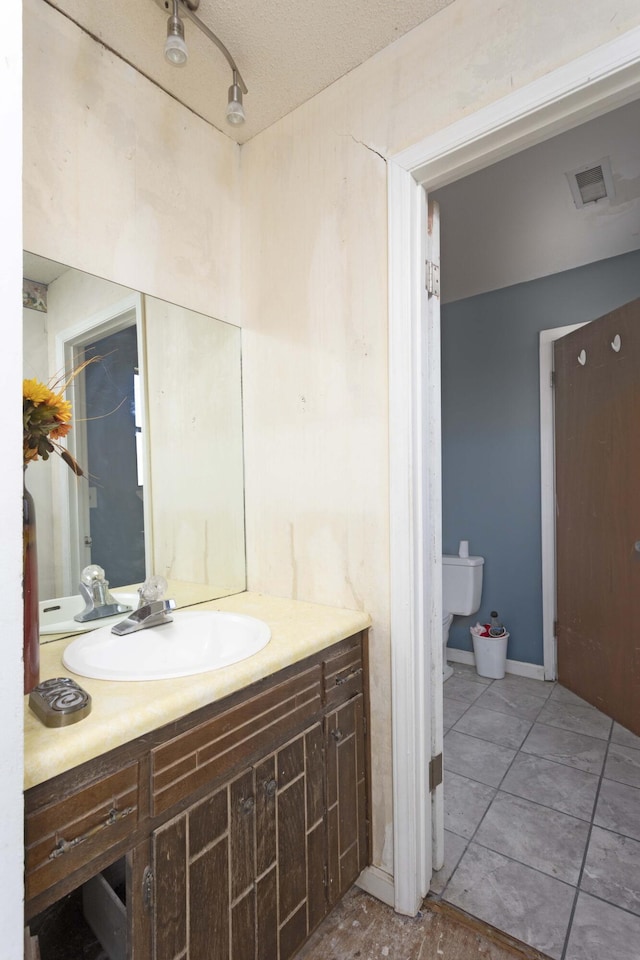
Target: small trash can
pixel 491 655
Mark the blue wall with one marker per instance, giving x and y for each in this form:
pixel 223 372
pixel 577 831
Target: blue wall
pixel 491 432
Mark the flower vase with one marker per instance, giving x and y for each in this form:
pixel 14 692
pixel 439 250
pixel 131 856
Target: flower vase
pixel 31 640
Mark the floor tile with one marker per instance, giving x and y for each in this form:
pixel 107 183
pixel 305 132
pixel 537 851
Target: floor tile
pixel 564 746
pixel 496 727
pixel 623 764
pixel 553 784
pixel 538 688
pixel 537 836
pixel 567 696
pixel 467 671
pixel 618 809
pixel 454 847
pixel 460 688
pixel 452 710
pixel 511 701
pixel 476 759
pixel 601 931
pixel 580 719
pixel 528 905
pixel 465 803
pixel 612 869
pixel 620 734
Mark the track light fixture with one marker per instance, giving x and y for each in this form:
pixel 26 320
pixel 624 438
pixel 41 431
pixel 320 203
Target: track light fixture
pixel 175 51
pixel 235 110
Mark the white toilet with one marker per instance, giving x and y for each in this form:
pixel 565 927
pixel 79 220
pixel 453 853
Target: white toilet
pixel 461 593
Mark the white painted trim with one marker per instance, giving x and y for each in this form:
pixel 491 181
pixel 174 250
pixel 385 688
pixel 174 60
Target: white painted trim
pixel 548 497
pixel 379 884
pixel 431 521
pixel 410 732
pixel 587 87
pixel 518 668
pixel 11 480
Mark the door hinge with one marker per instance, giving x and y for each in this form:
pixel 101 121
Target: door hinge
pixel 432 278
pixel 364 725
pixel 555 628
pixel 435 772
pixel 147 889
pixel 553 378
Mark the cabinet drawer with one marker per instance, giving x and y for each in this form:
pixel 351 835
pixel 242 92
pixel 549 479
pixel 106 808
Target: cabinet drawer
pixel 68 833
pixel 344 673
pixel 215 748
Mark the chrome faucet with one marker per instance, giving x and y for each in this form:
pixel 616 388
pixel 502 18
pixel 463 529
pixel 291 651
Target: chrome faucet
pixel 149 615
pixel 152 610
pixel 98 602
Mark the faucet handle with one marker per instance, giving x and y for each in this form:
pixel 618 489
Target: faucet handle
pixel 152 589
pixel 92 573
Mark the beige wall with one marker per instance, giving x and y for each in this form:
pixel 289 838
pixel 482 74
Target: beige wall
pixel 315 310
pixel 119 179
pixel 123 182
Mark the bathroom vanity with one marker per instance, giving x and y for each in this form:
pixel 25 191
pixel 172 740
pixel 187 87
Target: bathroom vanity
pixel 237 824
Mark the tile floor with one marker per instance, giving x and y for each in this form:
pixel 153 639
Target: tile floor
pixel 542 817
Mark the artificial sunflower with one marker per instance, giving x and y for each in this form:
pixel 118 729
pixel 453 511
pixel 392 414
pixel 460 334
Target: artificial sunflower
pixel 46 419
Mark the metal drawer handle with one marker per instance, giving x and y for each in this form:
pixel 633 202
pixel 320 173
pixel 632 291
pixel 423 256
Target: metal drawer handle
pixel 270 788
pixel 337 735
pixel 247 804
pixel 63 846
pixel 348 676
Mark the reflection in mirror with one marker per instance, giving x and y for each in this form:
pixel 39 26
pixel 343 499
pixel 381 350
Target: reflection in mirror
pixel 108 436
pixel 157 428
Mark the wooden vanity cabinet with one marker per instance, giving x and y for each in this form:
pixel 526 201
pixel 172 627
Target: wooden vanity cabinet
pixel 249 822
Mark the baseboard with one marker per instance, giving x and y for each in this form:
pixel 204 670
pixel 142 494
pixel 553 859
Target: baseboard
pixel 518 667
pixel 379 884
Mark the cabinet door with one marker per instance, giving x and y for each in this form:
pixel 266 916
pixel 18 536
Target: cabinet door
pixel 241 874
pixel 347 826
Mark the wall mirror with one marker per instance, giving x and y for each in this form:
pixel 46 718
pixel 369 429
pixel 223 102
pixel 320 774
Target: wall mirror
pixel 157 428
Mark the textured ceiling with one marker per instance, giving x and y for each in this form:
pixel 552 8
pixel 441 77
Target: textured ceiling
pixel 286 50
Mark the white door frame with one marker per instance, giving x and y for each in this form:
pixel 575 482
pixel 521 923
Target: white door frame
pixel 595 83
pixel 548 496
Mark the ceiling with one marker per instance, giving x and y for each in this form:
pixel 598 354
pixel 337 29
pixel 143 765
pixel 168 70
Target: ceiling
pixel 509 223
pixel 286 50
pixel 516 220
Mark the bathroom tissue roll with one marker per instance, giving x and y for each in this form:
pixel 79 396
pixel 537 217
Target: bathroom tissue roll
pixel 463 549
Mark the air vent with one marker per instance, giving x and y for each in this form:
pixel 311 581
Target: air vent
pixel 591 183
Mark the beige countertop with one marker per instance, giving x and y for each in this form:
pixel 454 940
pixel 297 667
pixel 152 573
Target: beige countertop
pixel 124 711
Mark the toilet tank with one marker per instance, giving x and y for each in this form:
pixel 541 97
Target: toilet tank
pixel 461 584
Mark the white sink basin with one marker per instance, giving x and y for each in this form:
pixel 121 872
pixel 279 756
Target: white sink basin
pixel 56 616
pixel 195 642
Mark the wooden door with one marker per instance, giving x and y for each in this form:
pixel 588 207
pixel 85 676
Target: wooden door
pixel 597 433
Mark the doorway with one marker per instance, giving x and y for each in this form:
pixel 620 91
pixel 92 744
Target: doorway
pixel 589 86
pixel 494 455
pixel 504 739
pixel 106 512
pixel 109 436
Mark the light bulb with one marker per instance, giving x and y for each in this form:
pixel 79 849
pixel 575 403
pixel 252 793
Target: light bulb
pixel 235 110
pixel 175 50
